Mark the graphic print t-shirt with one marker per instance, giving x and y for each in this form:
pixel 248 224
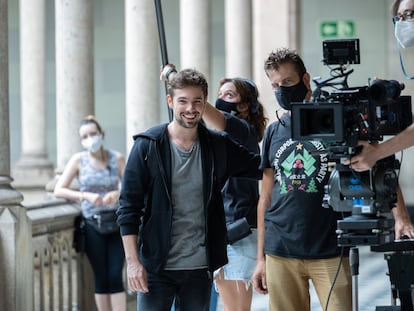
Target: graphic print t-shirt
pixel 296 224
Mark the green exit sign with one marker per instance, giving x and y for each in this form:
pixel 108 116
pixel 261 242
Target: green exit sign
pixel 338 28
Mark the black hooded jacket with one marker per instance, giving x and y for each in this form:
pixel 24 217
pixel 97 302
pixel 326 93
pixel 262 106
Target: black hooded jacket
pixel 145 200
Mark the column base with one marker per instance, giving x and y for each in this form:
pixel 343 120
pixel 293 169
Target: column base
pixel 32 172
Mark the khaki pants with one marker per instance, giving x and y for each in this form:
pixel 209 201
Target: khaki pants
pixel 288 283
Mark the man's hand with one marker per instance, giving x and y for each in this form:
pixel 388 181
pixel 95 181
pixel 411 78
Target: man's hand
pixel 259 277
pixel 166 71
pixel 367 158
pixel 404 228
pixel 137 277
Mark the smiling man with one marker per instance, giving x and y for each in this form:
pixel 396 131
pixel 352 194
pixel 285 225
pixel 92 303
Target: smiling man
pixel 171 213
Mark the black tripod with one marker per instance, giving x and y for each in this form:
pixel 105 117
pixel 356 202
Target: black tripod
pixel 400 259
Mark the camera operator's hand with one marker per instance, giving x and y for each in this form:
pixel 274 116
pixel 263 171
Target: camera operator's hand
pixel 367 158
pixel 404 229
pixel 167 71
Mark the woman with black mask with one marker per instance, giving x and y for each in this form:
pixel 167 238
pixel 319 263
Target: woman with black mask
pixel 239 113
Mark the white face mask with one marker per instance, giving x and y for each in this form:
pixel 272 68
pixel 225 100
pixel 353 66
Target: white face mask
pixel 92 143
pixel 404 32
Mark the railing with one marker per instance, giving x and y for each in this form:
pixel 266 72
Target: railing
pixel 45 271
pixel 62 279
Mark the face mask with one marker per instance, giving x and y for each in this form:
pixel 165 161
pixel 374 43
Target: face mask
pixel 288 94
pixel 226 106
pixel 404 33
pixel 93 143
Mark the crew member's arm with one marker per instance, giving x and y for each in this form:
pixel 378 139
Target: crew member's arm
pixel 214 118
pixel 403 225
pixel 371 153
pixel 259 274
pixel 136 273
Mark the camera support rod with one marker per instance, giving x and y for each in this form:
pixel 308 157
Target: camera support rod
pixel 354 264
pixel 163 44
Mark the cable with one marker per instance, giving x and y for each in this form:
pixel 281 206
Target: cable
pixel 279 119
pixel 335 278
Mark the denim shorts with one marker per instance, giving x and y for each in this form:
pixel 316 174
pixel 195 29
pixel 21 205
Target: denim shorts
pixel 242 258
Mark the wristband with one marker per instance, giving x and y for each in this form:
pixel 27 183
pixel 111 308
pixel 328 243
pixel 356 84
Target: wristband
pixel 169 71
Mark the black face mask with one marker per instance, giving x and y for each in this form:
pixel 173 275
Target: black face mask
pixel 288 94
pixel 226 106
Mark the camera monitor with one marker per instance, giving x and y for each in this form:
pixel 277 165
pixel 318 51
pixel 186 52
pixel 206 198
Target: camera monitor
pixel 317 121
pixel 341 52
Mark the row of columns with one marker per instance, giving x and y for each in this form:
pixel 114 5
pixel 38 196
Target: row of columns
pixel 75 64
pixel 33 168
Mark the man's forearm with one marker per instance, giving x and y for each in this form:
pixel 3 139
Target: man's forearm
pixel 130 247
pixel 402 141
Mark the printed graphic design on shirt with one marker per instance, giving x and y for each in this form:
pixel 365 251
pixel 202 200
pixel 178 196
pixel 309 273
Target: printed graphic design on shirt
pixel 300 166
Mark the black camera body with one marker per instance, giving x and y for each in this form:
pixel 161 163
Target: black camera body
pixel 340 119
pixel 348 115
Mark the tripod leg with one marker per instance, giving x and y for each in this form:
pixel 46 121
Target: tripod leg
pixel 354 263
pixel 406 301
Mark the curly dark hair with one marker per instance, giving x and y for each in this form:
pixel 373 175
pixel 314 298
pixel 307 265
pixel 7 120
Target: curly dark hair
pixel 249 93
pixel 284 56
pixel 185 78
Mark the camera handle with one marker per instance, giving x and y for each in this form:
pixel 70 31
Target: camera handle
pixel 330 82
pixel 354 264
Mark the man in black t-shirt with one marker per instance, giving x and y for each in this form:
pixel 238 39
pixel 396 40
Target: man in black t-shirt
pixel 296 235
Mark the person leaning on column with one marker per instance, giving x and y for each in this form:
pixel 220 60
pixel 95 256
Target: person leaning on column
pixel 99 172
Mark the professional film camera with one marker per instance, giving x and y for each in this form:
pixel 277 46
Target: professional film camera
pixel 342 117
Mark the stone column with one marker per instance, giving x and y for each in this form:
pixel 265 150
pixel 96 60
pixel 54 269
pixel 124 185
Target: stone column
pixel 33 169
pixel 142 67
pixel 74 73
pixel 274 25
pixel 238 39
pixel 195 35
pixel 13 232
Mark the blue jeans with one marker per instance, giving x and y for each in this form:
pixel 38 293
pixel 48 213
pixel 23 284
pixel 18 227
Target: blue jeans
pixel 213 300
pixel 191 290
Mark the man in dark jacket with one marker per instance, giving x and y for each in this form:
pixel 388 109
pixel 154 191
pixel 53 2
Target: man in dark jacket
pixel 171 213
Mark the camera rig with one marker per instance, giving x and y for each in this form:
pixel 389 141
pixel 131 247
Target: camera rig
pixel 340 119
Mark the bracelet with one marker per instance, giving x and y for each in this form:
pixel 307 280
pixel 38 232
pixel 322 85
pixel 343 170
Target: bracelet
pixel 169 71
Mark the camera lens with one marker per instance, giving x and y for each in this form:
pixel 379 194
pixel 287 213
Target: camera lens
pixel 383 91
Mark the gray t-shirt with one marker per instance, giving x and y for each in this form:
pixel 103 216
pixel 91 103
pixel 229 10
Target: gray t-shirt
pixel 188 250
